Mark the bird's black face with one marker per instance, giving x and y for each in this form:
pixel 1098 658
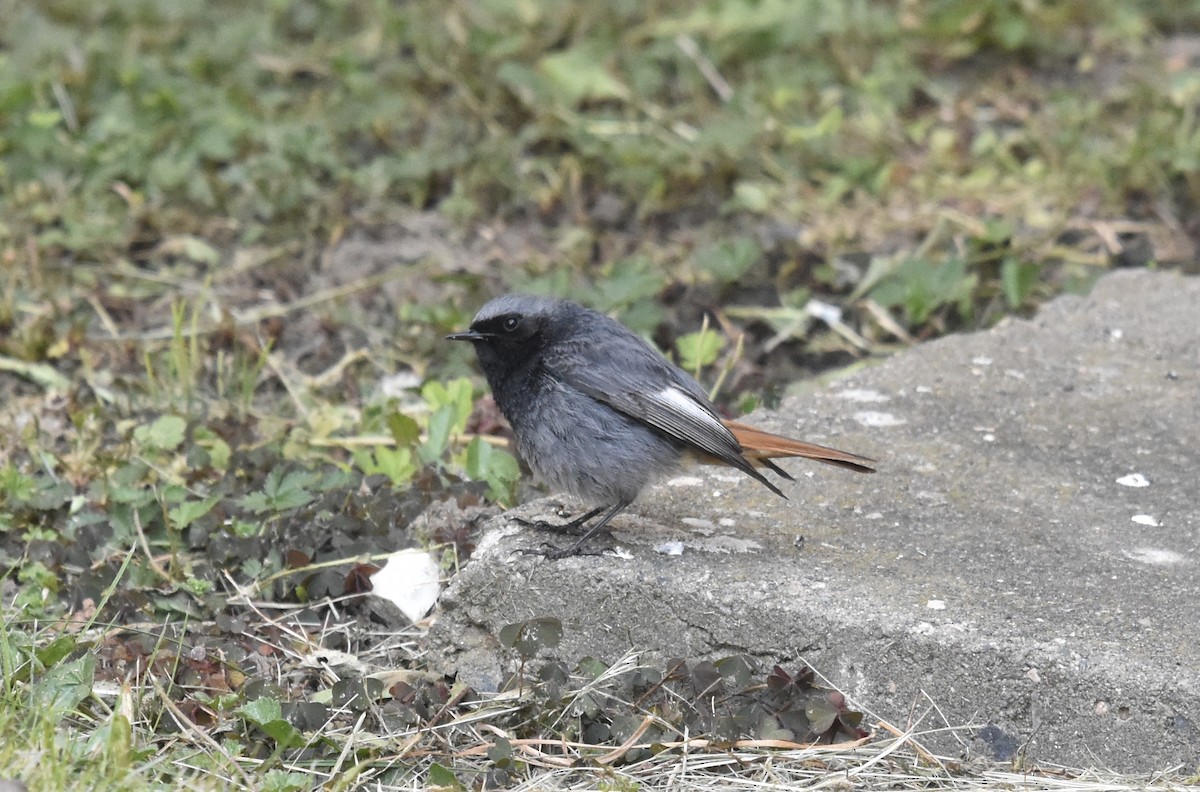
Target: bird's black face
pixel 504 340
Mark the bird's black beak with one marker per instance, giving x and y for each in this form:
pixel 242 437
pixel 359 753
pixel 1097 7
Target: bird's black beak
pixel 468 335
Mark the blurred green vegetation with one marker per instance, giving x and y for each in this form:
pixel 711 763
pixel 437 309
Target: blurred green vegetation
pixel 122 123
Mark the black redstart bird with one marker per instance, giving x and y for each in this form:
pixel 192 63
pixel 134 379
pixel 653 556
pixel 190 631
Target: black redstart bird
pixel 598 413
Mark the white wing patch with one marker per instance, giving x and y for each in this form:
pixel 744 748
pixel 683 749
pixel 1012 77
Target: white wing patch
pixel 687 405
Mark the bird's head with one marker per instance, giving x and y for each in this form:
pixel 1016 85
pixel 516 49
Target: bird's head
pixel 508 331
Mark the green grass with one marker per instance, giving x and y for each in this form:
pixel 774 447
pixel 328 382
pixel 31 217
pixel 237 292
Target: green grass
pixel 223 225
pixel 125 123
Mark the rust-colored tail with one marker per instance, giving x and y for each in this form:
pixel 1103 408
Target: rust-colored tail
pixel 760 447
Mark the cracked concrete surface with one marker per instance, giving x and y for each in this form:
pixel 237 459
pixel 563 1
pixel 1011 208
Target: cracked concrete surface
pixel 1025 563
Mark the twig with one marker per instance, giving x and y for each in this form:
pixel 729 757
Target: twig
pixel 921 751
pixel 885 320
pixel 141 535
pixel 719 84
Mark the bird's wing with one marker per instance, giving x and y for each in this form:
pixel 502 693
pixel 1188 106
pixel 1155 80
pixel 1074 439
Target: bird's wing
pixel 650 390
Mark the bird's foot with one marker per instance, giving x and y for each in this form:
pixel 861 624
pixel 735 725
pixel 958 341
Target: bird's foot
pixel 576 527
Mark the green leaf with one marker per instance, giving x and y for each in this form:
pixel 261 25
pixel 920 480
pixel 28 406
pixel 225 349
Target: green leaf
pixel 921 287
pixel 457 393
pixel 530 87
pixel 198 250
pixel 113 741
pixel 824 127
pixel 186 513
pixel 41 374
pixel 626 282
pixel 283 733
pixel 438 438
pixel 219 451
pixel 501 752
pixel 44 119
pixel 262 710
pixel 479 455
pixel 41 492
pixel 56 650
pixel 64 687
pixel 737 670
pixel 281 491
pixel 496 466
pixel 1012 29
pixel 442 778
pixel 164 434
pixel 267 714
pixel 15 485
pixel 398 464
pixel 752 196
pixel 136 495
pixel 1018 280
pixel 699 349
pixel 820 714
pixel 529 636
pixel 172 494
pixel 580 74
pixel 591 668
pixel 405 431
pixel 729 260
pixel 276 780
pixel 731 135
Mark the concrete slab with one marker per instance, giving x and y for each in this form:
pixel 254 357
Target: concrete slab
pixel 1027 559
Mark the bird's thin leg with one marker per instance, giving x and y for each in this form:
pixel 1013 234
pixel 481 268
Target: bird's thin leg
pixel 551 552
pixel 578 523
pixel 574 527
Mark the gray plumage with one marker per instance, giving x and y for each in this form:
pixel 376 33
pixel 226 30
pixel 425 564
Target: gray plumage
pixel 595 410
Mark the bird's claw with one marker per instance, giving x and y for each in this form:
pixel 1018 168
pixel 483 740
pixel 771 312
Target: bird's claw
pixel 576 527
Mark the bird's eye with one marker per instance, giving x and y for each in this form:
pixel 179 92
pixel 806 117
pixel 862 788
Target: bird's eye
pixel 511 323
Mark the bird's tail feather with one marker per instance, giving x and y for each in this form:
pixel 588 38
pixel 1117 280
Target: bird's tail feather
pixel 761 447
